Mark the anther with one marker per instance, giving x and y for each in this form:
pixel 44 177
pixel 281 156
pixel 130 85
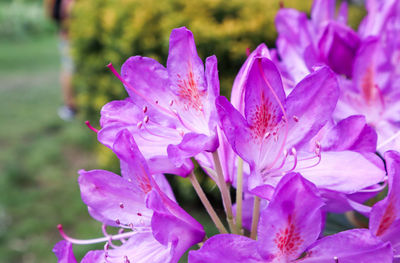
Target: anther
pixel 117 222
pixel 139 214
pixel 126 260
pixel 121 205
pixel 146 119
pixel 336 259
pixel 295 118
pixel 139 124
pixel 144 109
pixel 171 102
pixel 156 101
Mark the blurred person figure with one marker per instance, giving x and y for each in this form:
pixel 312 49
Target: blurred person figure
pixel 59 11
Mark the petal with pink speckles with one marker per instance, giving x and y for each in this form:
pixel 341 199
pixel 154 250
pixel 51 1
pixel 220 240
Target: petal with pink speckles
pixel 113 200
pixel 264 98
pixel 292 220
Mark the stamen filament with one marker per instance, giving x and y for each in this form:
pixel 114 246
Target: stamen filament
pixel 91 127
pixel 207 204
pixel 391 138
pixel 226 197
pixel 239 194
pixel 94 240
pixel 255 218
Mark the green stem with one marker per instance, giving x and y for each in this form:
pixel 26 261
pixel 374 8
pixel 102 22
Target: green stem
pixel 226 197
pixel 239 194
pixel 256 216
pixel 207 204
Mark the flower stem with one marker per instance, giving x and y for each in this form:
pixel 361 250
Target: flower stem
pixel 239 194
pixel 226 197
pixel 256 216
pixel 207 204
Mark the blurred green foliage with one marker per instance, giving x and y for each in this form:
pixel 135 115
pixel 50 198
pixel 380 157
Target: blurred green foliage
pixel 22 19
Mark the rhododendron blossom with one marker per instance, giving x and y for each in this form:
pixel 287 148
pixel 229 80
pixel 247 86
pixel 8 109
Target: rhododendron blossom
pixel 305 133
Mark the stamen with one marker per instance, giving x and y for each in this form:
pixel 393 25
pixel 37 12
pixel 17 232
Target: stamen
pixel 139 124
pixel 126 260
pixel 391 138
pixel 111 67
pixel 144 109
pixel 171 102
pixel 91 127
pixel 104 230
pixel 121 205
pixel 380 188
pixel 336 259
pixel 295 118
pixel 95 240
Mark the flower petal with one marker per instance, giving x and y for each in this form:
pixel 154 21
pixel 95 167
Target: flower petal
pixel 64 253
pixel 264 97
pixel 238 91
pixel 338 47
pixel 141 247
pixel 226 248
pixel 310 106
pixel 149 78
pixel 352 133
pixel 112 199
pixel 387 211
pixel 343 171
pixel 357 245
pixel 171 224
pixel 237 131
pixel 292 220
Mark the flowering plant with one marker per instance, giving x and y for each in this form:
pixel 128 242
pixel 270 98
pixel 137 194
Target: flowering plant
pixel 298 139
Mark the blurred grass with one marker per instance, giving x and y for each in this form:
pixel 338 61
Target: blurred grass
pixel 39 155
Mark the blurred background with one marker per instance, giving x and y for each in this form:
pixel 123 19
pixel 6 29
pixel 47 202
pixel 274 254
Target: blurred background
pixel 42 147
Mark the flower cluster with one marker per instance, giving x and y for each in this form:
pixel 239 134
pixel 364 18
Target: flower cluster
pixel 311 127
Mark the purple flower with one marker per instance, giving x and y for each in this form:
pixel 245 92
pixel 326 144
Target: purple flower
pixel 273 135
pixel 159 229
pixel 366 63
pixel 288 231
pixel 171 111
